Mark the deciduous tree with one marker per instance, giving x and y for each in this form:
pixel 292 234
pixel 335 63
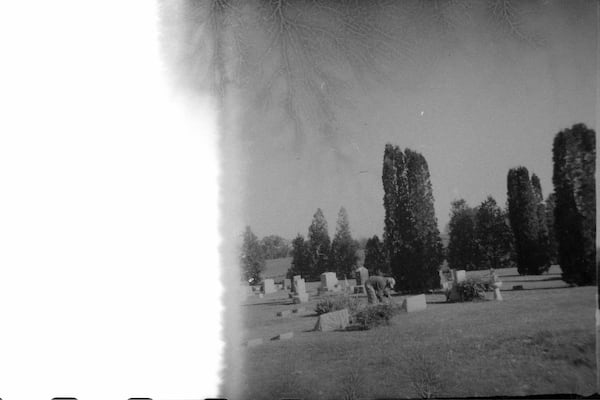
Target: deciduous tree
pixel 462 245
pixel 375 258
pixel 301 259
pixel 252 259
pixel 493 235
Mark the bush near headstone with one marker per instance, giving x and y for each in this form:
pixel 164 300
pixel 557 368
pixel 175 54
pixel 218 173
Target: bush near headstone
pixel 473 289
pixel 334 303
pixel 373 316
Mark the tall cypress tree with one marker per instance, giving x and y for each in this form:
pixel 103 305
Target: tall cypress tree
pixel 412 238
pixel 543 251
pixel 574 157
pixel 319 245
pixel 552 243
pixel 522 211
pixel 343 247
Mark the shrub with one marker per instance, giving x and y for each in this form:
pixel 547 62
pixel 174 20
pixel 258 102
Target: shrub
pixel 473 288
pixel 339 302
pixel 373 316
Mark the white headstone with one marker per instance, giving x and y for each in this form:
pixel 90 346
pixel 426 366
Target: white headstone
pixel 328 281
pixel 415 303
pixel 269 286
pixel 460 275
pixel 299 286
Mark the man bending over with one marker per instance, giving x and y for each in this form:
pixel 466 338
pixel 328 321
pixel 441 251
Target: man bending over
pixel 377 287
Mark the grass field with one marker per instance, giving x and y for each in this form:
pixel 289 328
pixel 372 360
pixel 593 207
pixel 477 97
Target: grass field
pixel 538 340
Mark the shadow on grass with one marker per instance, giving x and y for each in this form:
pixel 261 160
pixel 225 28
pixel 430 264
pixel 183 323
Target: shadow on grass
pixel 558 278
pixel 271 303
pixel 540 288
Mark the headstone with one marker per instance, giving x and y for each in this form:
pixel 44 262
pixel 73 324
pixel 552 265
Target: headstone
pixel 287 284
pixel 362 274
pixel 269 286
pixel 284 313
pixel 300 298
pixel 295 278
pixel 460 275
pixel 333 320
pixel 254 342
pixel 284 336
pixel 299 286
pixel 329 282
pixel 415 303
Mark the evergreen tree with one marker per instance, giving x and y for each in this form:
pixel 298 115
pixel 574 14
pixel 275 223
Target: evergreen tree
pixel 375 259
pixel 411 236
pixel 462 245
pixel 522 211
pixel 392 160
pixel 574 157
pixel 494 237
pixel 319 245
pixel 343 247
pixel 543 253
pixel 252 259
pixel 301 259
pixel 552 243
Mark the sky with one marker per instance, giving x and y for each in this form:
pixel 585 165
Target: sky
pixel 474 106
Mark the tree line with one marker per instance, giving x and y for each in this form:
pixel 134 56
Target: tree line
pixel 530 232
pixel 318 254
pixel 255 252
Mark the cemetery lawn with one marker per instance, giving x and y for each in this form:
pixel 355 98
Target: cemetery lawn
pixel 539 340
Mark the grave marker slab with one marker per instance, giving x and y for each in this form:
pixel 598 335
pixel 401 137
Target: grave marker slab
pixel 459 275
pixel 329 281
pixel 332 321
pixel 414 303
pixel 299 286
pixel 269 286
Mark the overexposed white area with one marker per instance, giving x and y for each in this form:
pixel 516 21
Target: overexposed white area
pixel 109 279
